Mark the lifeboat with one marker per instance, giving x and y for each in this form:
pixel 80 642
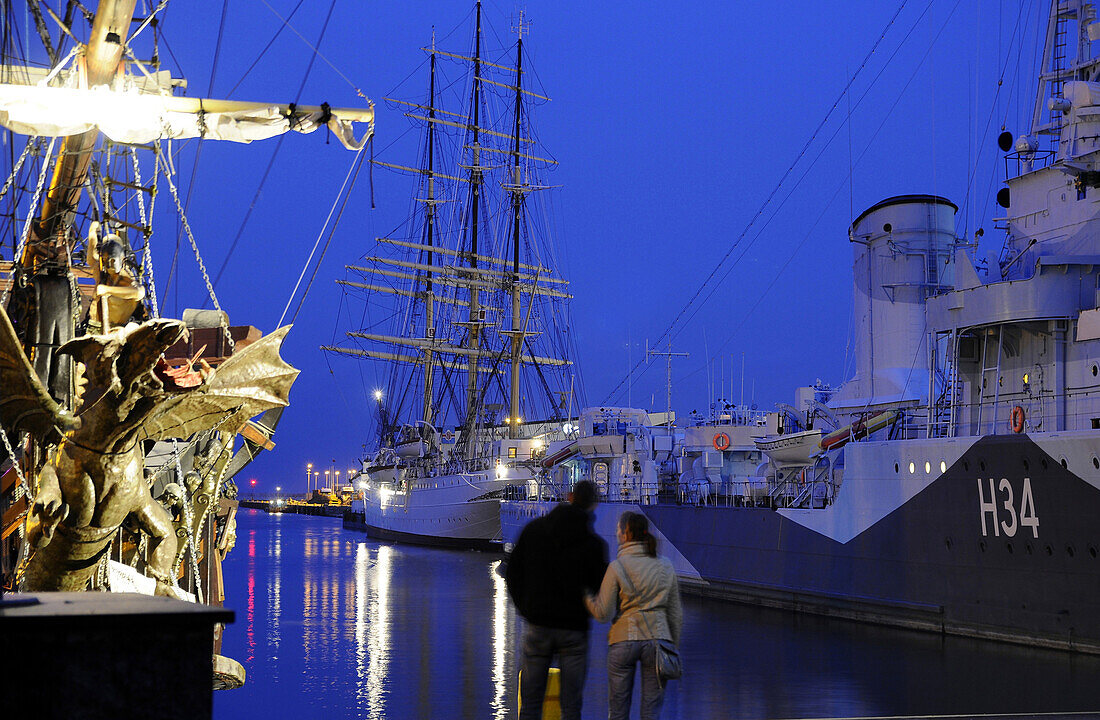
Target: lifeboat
pixel 561 455
pixel 859 429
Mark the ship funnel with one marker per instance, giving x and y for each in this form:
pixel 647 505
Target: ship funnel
pixel 903 251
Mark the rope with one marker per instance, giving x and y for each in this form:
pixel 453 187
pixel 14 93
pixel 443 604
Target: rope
pixel 305 267
pixel 317 52
pixel 767 201
pixel 148 19
pixel 198 255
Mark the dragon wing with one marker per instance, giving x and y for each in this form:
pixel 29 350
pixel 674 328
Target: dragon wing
pixel 250 382
pixel 24 402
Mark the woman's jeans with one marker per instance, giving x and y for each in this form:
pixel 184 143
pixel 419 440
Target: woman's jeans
pixel 621 659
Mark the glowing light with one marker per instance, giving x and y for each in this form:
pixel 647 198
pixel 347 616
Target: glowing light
pixel 536 444
pixel 912 468
pixel 378 395
pixel 253 482
pixel 1027 378
pixel 943 466
pixel 927 467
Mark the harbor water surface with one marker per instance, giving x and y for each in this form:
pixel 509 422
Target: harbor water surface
pixel 332 624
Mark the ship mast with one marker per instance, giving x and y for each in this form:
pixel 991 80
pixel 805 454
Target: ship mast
pixel 429 299
pixel 517 331
pixel 102 63
pixel 474 322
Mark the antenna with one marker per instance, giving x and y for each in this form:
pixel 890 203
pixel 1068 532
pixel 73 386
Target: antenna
pixel 668 354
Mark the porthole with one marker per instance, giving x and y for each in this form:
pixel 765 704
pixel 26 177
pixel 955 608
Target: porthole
pixel 981 546
pixel 1065 465
pixel 966 465
pixel 1092 551
pixel 943 466
pixel 981 465
pixel 1048 550
pixel 927 467
pixel 895 467
pixel 1043 462
pixel 1028 549
pixel 912 468
pixel 1070 550
pixel 1095 369
pixel 1096 462
pixel 947 543
pixel 1008 546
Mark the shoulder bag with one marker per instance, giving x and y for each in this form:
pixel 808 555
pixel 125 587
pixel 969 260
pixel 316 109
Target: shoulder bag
pixel 667 655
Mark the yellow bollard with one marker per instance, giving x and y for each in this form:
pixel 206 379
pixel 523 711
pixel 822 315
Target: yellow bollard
pixel 551 702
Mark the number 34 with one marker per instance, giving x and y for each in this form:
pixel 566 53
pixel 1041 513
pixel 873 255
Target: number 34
pixel 1003 492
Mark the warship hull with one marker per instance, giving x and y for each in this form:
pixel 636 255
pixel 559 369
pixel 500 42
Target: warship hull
pixel 1000 543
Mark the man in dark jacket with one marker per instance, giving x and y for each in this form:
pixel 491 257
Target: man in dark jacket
pixel 556 560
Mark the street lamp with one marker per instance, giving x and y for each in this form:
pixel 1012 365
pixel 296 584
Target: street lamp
pixel 326 479
pixel 309 473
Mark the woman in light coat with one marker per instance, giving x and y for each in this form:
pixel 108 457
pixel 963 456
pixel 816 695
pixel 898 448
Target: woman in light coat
pixel 640 592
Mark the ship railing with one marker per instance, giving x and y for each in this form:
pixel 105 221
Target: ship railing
pixel 1017 163
pixel 1042 412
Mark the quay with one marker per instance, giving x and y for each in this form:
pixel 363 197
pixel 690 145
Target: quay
pixel 295 507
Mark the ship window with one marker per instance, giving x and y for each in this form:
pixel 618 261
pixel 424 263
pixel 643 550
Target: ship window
pixel 511 452
pixel 1095 370
pixel 927 467
pixel 912 468
pixel 943 466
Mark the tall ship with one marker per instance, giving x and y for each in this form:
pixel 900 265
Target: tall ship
pixel 121 429
pixel 952 484
pixel 467 312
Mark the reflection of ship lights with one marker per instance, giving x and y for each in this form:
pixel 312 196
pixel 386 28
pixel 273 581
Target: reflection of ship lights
pixel 500 640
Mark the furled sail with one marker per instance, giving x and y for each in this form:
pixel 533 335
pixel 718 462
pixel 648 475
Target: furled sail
pixel 136 117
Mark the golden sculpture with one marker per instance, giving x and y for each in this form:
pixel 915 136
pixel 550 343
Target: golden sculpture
pixel 94 477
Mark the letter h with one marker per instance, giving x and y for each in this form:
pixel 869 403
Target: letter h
pixel 988 507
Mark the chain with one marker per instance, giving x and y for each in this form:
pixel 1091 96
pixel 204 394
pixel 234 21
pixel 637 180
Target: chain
pixel 30 216
pixel 188 520
pixel 198 255
pixel 31 142
pixel 147 254
pixel 15 464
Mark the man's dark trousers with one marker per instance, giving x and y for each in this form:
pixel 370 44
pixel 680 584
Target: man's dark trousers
pixel 540 644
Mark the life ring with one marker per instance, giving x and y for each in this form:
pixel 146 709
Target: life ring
pixel 721 441
pixel 1017 419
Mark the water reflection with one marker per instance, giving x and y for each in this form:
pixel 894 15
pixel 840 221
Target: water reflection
pixel 500 639
pixel 382 631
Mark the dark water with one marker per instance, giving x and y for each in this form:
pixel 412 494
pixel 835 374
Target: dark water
pixel 330 624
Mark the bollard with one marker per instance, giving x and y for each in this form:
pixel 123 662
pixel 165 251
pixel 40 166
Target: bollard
pixel 551 702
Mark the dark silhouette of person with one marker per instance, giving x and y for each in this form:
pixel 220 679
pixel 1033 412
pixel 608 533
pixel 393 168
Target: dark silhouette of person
pixel 557 559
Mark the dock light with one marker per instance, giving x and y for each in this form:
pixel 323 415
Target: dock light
pixel 278 489
pixel 253 481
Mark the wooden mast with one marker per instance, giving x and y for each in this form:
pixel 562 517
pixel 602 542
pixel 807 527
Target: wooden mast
pixel 429 300
pixel 473 334
pixel 517 332
pixel 102 63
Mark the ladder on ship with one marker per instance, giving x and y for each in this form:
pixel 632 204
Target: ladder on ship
pixel 984 393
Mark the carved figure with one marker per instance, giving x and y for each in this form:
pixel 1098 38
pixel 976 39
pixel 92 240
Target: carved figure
pixel 118 293
pixel 93 480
